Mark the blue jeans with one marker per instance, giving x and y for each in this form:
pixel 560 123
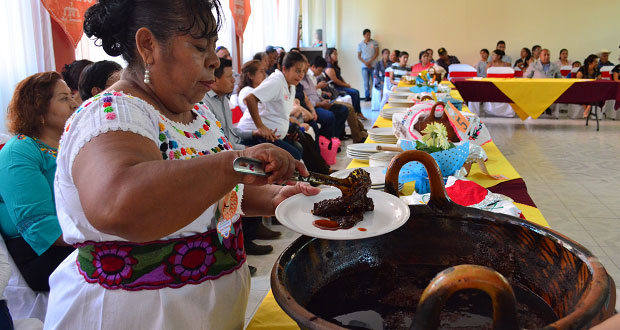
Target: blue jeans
pixel 294 151
pixel 367 76
pixel 341 113
pixel 6 322
pixel 328 122
pixel 355 97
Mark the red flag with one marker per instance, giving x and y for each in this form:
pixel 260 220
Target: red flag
pixel 69 15
pixel 240 10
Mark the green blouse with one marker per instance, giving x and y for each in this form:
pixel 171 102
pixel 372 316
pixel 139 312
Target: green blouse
pixel 27 209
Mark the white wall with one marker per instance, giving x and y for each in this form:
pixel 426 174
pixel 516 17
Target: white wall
pixel 464 27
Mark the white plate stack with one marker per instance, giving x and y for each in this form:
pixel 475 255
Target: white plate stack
pixel 377 177
pixel 383 135
pixel 400 102
pixel 363 151
pixel 401 95
pixel 387 113
pixel 382 159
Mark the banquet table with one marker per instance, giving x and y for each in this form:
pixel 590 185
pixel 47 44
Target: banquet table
pixel 270 316
pixel 531 97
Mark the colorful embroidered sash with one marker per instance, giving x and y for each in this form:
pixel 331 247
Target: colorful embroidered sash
pixel 159 264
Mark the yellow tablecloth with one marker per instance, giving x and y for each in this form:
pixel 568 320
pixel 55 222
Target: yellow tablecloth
pixel 532 97
pixel 270 316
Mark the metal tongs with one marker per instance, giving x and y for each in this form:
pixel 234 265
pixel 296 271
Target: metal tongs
pixel 256 167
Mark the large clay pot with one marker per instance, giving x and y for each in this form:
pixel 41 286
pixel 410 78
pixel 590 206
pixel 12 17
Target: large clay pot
pixel 565 275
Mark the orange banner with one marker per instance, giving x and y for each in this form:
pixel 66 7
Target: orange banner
pixel 70 16
pixel 240 10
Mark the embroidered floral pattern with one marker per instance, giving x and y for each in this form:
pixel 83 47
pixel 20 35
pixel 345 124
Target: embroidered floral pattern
pixel 169 147
pixel 113 264
pixel 193 258
pixel 158 264
pixel 42 146
pixel 107 107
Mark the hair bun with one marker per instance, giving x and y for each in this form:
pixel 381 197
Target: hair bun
pixel 107 21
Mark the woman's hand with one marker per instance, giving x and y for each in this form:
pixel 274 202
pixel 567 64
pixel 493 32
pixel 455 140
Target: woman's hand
pixel 278 162
pixel 307 115
pixel 266 133
pixel 288 191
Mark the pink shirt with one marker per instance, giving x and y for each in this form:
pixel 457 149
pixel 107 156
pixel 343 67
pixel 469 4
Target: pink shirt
pixel 419 67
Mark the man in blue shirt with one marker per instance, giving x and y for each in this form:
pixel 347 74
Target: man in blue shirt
pixel 604 58
pixel 367 52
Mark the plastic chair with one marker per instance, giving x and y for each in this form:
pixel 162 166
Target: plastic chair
pixel 461 72
pixel 606 72
pixel 22 301
pixel 375 103
pixel 500 72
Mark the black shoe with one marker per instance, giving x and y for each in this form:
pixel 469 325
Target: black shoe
pixel 257 250
pixel 252 270
pixel 367 99
pixel 262 232
pixel 274 221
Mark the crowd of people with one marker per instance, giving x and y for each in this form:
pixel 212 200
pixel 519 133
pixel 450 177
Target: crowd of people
pixel 534 63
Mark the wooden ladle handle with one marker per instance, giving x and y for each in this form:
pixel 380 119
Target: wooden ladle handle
pixel 462 277
pixel 438 191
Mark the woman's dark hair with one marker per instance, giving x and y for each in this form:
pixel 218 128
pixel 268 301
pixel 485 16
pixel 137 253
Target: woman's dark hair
pixel 224 63
pixel 71 73
pixel 484 50
pixel 535 46
pixel 403 53
pixel 30 102
pixel 96 75
pixel 421 54
pixel 259 56
pixel 115 22
pixel 328 57
pixel 280 60
pixel 499 53
pixel 292 58
pixel 397 52
pixel 529 54
pixel 319 62
pixel 591 58
pixel 295 49
pixel 385 50
pixel 560 53
pixel 248 70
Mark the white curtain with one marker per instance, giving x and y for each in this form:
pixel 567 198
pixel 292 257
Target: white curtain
pixel 226 35
pixel 272 22
pixel 26 33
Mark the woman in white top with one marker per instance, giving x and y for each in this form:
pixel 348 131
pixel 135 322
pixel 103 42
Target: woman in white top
pixel 277 94
pixel 563 59
pixel 252 74
pixel 159 244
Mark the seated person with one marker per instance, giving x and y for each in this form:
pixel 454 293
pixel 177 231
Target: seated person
pixel 604 58
pixel 575 67
pixel 615 72
pixel 382 64
pixel 563 58
pixel 252 74
pixel 430 55
pixel 543 68
pixel 501 45
pixel 481 66
pixel 445 60
pixel 97 77
pixel 400 68
pixel 222 52
pixel 71 75
pixel 589 69
pixel 425 63
pixel 497 57
pixel 217 101
pixel 263 58
pixel 394 55
pixel 334 73
pixel 40 106
pixel 277 93
pixel 309 83
pixel 523 62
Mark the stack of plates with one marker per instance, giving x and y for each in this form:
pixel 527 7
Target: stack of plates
pixel 382 134
pixel 382 159
pixel 377 177
pixel 387 113
pixel 400 103
pixel 401 95
pixel 363 151
pixel 402 89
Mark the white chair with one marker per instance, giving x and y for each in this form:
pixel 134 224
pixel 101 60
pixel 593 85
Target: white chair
pixel 499 109
pixel 377 95
pixel 22 301
pixel 461 71
pixel 387 88
pixel 606 72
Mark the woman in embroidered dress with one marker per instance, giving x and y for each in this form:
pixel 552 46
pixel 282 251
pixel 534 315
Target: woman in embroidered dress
pixel 37 113
pixel 160 245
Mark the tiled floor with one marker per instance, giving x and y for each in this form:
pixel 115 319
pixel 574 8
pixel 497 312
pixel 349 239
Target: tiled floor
pixel 572 173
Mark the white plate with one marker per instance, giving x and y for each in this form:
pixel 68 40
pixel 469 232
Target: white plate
pixel 389 214
pixel 367 147
pixel 401 95
pixel 388 131
pixel 376 174
pixel 400 103
pixel 402 89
